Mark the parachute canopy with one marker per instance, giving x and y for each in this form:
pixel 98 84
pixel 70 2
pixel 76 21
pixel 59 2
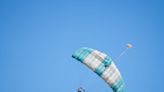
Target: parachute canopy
pixel 102 65
pixel 129 45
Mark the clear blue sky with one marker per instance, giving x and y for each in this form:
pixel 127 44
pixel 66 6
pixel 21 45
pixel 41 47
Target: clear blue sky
pixel 38 37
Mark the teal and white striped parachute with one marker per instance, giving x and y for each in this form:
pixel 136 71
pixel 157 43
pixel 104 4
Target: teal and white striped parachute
pixel 102 65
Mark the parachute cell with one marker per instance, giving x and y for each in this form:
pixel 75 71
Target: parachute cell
pixel 102 65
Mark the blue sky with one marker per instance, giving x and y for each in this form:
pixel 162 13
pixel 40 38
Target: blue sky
pixel 38 37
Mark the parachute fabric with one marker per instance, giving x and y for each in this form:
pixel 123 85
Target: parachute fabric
pixel 102 65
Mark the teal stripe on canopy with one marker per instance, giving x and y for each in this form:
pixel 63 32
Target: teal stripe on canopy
pixel 121 89
pixel 118 85
pixel 82 53
pixel 106 62
pixel 100 69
